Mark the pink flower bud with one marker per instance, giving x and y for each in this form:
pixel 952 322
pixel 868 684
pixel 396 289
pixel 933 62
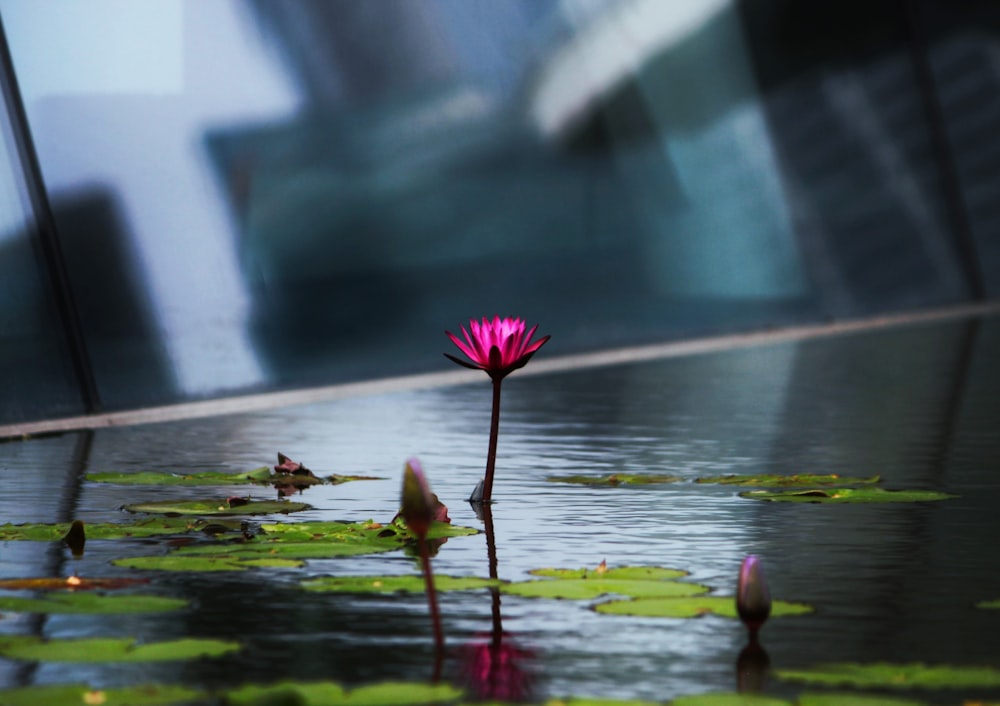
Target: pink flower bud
pixel 418 504
pixel 753 597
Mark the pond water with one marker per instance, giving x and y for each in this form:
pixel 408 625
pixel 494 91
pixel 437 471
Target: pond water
pixel 917 405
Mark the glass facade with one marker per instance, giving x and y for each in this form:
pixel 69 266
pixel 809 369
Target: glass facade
pixel 253 194
pixel 38 375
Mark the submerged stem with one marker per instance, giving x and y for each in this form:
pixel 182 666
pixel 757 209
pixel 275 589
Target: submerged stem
pixel 491 456
pixel 425 560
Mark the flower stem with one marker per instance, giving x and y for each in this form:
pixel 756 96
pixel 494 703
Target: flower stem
pixel 491 457
pixel 425 560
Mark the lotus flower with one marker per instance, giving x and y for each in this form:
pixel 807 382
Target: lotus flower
pixel 753 597
pixel 497 347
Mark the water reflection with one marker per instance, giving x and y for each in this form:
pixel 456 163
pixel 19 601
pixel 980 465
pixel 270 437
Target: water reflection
pixel 917 405
pixel 752 666
pixel 495 668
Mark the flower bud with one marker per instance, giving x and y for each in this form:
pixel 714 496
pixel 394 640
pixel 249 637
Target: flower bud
pixel 418 503
pixel 753 597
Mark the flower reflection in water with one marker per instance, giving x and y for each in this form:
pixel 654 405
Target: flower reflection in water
pixel 496 668
pixel 752 667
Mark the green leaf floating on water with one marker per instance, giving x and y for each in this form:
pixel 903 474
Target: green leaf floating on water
pixel 896 676
pixel 989 605
pixel 846 699
pixel 146 527
pixel 585 589
pixel 797 480
pixel 217 506
pixel 588 701
pixel 31 648
pixel 585 584
pixel 284 545
pixel 91 603
pixel 846 495
pixel 616 479
pixel 329 693
pixel 260 476
pixel 394 584
pixel 173 562
pixel 692 607
pixel 630 573
pixel 843 699
pixel 729 699
pixel 81 695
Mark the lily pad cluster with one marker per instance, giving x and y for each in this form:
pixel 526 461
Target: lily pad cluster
pixel 807 699
pixel 763 480
pixel 289 545
pixel 321 693
pixel 146 527
pixel 90 603
pixel 797 487
pixel 110 649
pixel 286 472
pixel 317 693
pixel 912 675
pixel 647 590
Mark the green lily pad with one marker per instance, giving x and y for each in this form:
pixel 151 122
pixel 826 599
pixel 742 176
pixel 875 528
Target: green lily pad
pixel 896 676
pixel 112 649
pixel 630 573
pixel 585 701
pixel 989 605
pixel 846 495
pixel 394 584
pixel 321 540
pixel 846 699
pixel 692 607
pixel 82 695
pixel 173 562
pixel 797 480
pixel 729 699
pixel 585 589
pixel 90 603
pixel 286 545
pixel 329 693
pixel 585 584
pixel 258 475
pixel 146 527
pixel 337 478
pixel 616 479
pixel 217 506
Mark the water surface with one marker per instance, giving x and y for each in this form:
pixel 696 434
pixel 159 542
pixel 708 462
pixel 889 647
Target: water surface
pixel 916 405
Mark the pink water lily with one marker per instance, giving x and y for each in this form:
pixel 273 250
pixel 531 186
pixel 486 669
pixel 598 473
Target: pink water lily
pixel 497 347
